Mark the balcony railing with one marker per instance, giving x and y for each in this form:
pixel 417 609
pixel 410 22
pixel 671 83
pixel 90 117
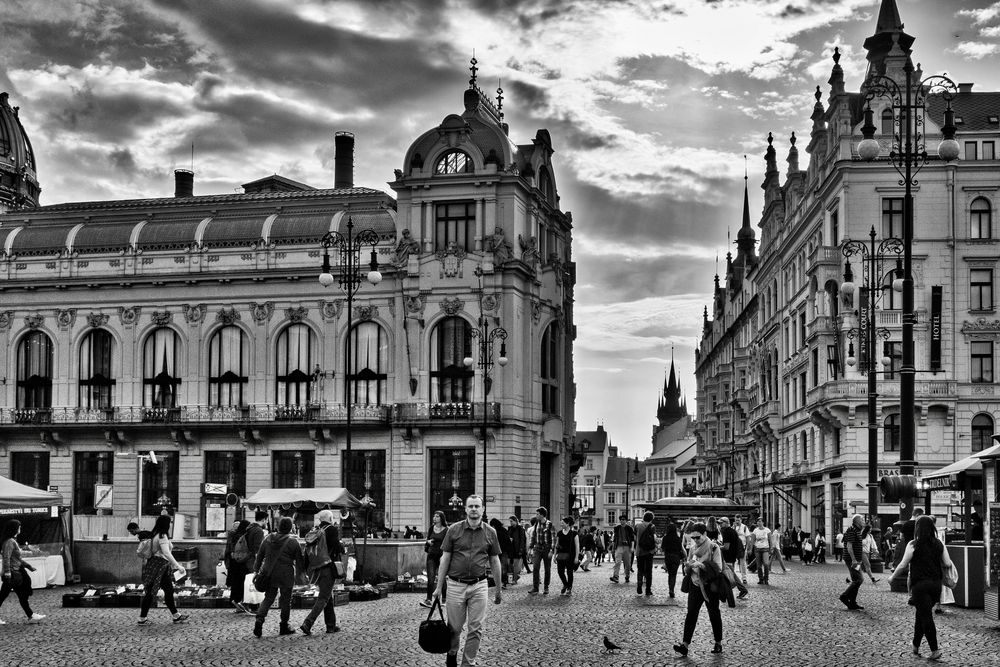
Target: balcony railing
pixel 840 389
pixel 400 413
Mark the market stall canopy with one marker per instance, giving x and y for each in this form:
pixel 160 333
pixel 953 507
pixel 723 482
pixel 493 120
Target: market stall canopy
pixel 321 498
pixel 19 496
pixel 991 453
pixel 947 477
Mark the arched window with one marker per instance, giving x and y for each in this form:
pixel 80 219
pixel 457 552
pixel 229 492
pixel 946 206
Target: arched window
pixel 451 343
pixel 96 391
pixel 890 433
pixel 454 162
pixel 982 432
pixel 546 186
pixel 981 219
pixel 887 128
pixel 550 370
pixel 159 370
pixel 34 372
pixel 228 367
pixel 369 360
pixel 295 355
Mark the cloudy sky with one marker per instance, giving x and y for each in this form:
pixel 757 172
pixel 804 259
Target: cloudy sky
pixel 651 107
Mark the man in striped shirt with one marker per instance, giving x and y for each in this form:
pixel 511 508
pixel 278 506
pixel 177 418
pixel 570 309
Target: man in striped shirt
pixel 853 537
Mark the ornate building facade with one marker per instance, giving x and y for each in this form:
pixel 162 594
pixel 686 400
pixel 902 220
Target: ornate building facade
pixel 782 401
pixel 195 327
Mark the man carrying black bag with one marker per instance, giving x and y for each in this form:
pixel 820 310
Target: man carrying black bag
pixel 467 548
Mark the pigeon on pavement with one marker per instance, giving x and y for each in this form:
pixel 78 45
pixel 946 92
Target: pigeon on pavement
pixel 610 646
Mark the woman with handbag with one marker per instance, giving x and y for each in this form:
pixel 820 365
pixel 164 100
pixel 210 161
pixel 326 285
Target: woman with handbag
pixel 15 571
pixel 156 573
pixel 567 554
pixel 702 568
pixel 432 547
pixel 274 571
pixel 928 562
pixel 673 554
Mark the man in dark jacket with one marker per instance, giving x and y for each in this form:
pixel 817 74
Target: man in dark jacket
pixel 518 546
pixel 255 531
pixel 731 552
pixel 853 537
pixel 277 558
pixel 325 576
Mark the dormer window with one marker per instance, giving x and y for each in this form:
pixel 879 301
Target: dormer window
pixel 454 162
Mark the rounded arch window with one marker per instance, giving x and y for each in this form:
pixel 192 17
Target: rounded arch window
pixel 34 371
pixel 887 123
pixel 97 383
pixel 451 343
pixel 454 162
pixel 297 371
pixel 891 433
pixel 160 381
pixel 982 432
pixel 367 376
pixel 228 367
pixel 981 219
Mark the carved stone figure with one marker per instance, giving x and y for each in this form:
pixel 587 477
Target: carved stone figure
pixel 406 246
pixel 529 249
pixel 501 248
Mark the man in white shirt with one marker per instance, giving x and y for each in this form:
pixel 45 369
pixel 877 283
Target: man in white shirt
pixel 762 549
pixel 743 532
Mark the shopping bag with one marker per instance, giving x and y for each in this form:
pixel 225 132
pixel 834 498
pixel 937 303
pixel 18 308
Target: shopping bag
pixel 250 594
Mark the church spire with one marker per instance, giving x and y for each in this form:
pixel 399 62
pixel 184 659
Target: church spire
pixel 670 406
pixel 745 240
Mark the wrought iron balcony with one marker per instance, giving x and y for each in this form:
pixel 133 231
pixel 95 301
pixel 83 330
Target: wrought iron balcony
pixel 468 413
pixel 195 414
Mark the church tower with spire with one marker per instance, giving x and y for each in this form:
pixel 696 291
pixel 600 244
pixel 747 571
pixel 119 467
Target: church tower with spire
pixel 671 407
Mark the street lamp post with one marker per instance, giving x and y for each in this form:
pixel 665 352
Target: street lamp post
pixel 349 279
pixel 487 339
pixel 872 288
pixel 629 471
pixel 908 155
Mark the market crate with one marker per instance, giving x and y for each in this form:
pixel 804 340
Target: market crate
pixel 71 600
pixel 185 553
pixel 340 598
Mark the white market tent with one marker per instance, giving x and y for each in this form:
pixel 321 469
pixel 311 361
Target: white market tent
pixel 308 499
pixel 15 496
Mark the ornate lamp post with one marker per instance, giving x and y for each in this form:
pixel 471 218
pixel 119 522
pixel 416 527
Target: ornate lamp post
pixel 487 339
pixel 872 288
pixel 368 503
pixel 349 279
pixel 908 155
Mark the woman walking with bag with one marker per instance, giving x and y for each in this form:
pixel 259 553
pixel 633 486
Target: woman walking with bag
pixel 278 556
pixel 237 557
pixel 703 566
pixel 673 554
pixel 567 554
pixel 435 536
pixel 15 571
pixel 156 573
pixel 928 560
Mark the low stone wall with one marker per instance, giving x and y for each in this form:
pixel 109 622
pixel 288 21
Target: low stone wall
pixel 113 561
pixel 389 559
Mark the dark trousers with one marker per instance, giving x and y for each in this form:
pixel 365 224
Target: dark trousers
pixel 564 568
pixel 324 601
pixel 167 584
pixel 538 558
pixel 236 581
pixel 23 592
pixel 740 584
pixel 851 594
pixel 284 595
pixel 644 572
pixel 695 600
pixel 672 562
pixel 433 563
pixel 924 595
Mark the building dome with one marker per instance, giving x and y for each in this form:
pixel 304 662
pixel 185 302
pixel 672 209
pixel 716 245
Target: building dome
pixel 18 178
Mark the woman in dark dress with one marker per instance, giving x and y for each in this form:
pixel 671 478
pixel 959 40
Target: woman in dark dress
pixel 926 558
pixel 567 554
pixel 236 570
pixel 435 536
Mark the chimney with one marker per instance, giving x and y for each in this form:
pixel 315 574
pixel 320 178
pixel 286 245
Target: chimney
pixel 343 160
pixel 183 183
pixel 965 87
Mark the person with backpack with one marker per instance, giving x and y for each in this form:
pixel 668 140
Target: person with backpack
pixel 238 559
pixel 15 576
pixel 277 559
pixel 323 551
pixel 645 543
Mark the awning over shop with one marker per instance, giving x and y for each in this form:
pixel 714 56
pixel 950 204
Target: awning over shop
pixel 947 477
pixel 27 498
pixel 307 499
pixel 991 453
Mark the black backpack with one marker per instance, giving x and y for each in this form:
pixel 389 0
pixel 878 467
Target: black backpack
pixel 647 540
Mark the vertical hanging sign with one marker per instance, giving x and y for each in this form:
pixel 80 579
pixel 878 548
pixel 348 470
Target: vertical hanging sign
pixel 936 298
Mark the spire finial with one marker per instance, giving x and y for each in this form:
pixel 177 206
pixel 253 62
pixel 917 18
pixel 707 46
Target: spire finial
pixel 473 69
pixel 770 138
pixel 499 98
pixel 746 169
pixel 836 55
pixel 792 139
pixel 817 94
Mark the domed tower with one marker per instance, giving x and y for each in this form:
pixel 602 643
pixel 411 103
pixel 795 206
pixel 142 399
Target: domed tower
pixel 18 178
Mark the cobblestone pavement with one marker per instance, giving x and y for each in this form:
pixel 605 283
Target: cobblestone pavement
pixel 797 620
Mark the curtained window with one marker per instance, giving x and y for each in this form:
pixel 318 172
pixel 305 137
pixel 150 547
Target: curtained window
pixel 296 353
pixel 228 367
pixel 451 343
pixel 369 359
pixel 34 371
pixel 96 390
pixel 159 369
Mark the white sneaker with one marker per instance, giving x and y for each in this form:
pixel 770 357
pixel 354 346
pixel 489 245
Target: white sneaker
pixel 3 622
pixel 36 617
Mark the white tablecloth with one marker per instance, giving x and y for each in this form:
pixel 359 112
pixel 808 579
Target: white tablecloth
pixel 49 571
